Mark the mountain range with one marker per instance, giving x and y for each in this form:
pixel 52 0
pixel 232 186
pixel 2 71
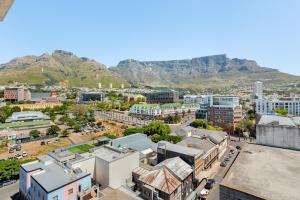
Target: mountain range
pixel 59 68
pixel 215 71
pixel 66 69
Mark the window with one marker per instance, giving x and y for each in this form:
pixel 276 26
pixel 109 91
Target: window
pixel 70 191
pixel 55 197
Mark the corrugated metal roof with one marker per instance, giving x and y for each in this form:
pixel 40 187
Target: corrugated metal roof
pixel 161 179
pixel 180 168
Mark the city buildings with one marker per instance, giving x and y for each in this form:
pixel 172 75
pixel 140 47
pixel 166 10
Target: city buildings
pixel 226 112
pixel 27 116
pixel 257 90
pixel 261 172
pixel 191 156
pixel 278 131
pixel 91 96
pixel 268 106
pixel 170 179
pixel 63 175
pixel 210 149
pixel 48 180
pixel 17 94
pixel 162 97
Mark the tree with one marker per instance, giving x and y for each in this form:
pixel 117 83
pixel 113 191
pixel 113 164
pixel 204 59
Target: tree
pixel 157 128
pixel 200 123
pixel 281 112
pixel 15 109
pixel 77 128
pixel 53 130
pixel 65 133
pixel 34 133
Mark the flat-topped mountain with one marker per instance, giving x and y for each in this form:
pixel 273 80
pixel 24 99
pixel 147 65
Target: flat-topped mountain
pixel 202 72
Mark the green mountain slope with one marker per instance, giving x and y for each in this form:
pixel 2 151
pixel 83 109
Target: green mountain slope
pixel 204 72
pixel 59 68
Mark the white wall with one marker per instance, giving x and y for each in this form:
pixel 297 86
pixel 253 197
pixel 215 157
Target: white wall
pixel 86 166
pixel 285 137
pixel 120 170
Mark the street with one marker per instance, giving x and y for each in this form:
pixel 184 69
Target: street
pixel 10 192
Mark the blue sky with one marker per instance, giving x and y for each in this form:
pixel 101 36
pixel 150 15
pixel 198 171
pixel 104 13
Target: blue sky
pixel 109 31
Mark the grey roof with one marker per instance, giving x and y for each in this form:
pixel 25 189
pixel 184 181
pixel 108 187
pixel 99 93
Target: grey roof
pixel 52 175
pixel 35 96
pixel 215 136
pixel 180 168
pixel 180 149
pixel 198 143
pixel 276 121
pixel 266 172
pixel 297 120
pixel 136 141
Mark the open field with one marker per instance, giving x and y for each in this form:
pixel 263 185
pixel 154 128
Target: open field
pixel 24 124
pixel 80 148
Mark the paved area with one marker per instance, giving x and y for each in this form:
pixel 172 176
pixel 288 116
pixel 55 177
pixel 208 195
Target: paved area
pixel 214 194
pixel 10 192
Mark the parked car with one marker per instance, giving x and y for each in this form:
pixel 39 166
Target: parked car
pixel 11 150
pixel 18 156
pixel 204 193
pixel 6 183
pixel 43 143
pixel 10 157
pixel 223 164
pixel 24 154
pixel 238 147
pixel 210 183
pixel 18 147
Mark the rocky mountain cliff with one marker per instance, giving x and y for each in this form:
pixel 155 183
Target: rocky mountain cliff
pixel 204 72
pixel 59 68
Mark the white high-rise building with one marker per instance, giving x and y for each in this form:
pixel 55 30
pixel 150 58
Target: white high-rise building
pixel 257 90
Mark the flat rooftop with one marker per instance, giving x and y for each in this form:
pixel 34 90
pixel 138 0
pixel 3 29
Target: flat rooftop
pixel 266 172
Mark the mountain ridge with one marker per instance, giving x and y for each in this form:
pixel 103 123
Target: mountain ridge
pixel 58 68
pixel 207 71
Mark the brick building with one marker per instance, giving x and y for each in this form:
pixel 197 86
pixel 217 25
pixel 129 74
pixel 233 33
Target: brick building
pixel 17 94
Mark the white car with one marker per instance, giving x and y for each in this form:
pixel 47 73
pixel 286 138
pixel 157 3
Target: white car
pixel 204 193
pixel 19 157
pixel 24 154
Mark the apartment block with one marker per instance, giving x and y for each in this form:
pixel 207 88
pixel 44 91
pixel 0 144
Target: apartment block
pixel 162 97
pixel 267 106
pixel 17 94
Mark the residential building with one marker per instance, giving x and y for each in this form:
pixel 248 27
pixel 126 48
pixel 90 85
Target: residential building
pixel 210 149
pixel 257 90
pixel 17 94
pixel 191 156
pixel 91 96
pixel 226 112
pixel 27 116
pixel 108 166
pixel 267 106
pixel 192 99
pixel 62 175
pixel 171 179
pixel 162 110
pixel 279 131
pixel 162 97
pixel 261 172
pixel 46 179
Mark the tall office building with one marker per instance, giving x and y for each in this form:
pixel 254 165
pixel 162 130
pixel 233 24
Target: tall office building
pixel 257 90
